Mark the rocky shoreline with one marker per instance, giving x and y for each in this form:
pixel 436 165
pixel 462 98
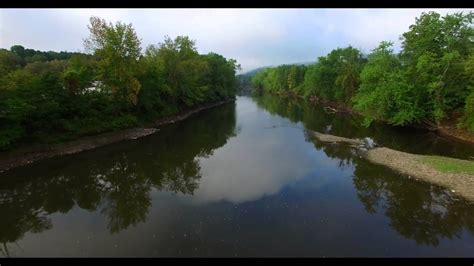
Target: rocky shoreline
pixel 413 165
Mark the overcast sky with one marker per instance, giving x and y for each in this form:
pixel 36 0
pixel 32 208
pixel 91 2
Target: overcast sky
pixel 254 37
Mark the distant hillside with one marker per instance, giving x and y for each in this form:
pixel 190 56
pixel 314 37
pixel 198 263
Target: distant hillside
pixel 244 79
pixel 252 72
pixel 306 63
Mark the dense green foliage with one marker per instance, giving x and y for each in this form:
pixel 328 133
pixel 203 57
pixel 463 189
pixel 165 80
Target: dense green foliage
pixel 30 55
pixel 335 77
pixel 48 96
pixel 430 81
pixel 468 118
pixel 384 93
pixel 281 79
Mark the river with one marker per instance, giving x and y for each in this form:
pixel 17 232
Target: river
pixel 242 179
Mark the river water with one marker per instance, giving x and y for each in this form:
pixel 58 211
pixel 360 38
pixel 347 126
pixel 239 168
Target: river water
pixel 242 179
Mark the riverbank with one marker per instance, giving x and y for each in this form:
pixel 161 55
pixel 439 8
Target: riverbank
pixel 333 107
pixel 27 155
pixel 454 174
pixel 453 132
pixel 446 129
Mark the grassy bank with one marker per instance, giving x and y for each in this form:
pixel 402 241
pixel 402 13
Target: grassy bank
pixel 449 165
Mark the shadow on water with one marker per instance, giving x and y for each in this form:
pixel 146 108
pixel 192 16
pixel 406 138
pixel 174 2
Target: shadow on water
pixel 417 210
pixel 116 180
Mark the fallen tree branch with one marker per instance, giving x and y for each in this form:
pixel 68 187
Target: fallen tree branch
pixel 331 110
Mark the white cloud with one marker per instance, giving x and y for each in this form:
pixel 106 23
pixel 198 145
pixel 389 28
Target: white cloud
pixel 241 178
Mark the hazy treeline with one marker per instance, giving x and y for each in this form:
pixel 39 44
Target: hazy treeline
pixel 49 96
pixel 429 81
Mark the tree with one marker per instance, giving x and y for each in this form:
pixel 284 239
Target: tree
pixel 335 77
pixel 18 50
pixel 384 93
pixel 50 96
pixel 296 78
pixel 434 53
pixel 118 49
pixel 183 70
pixel 80 74
pixel 9 62
pixel 259 79
pixel 467 120
pixel 220 76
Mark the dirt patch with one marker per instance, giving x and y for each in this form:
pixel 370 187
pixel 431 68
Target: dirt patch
pixel 28 155
pixel 456 133
pixel 413 165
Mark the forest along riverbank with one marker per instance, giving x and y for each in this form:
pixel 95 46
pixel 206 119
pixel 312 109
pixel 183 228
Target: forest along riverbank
pixel 179 192
pixel 454 174
pixel 28 155
pixel 445 129
pixel 428 83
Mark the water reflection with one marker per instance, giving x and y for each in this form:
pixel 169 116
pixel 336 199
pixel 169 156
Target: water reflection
pixel 257 163
pixel 227 182
pixel 401 138
pixel 116 180
pixel 425 213
pixel 417 210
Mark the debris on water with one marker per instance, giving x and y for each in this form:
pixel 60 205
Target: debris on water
pixel 369 143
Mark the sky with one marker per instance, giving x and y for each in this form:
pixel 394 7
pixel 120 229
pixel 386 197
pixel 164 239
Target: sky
pixel 254 37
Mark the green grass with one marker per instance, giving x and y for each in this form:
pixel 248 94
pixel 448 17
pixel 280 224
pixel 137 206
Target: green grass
pixel 449 165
